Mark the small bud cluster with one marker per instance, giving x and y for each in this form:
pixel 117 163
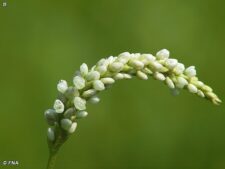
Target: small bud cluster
pixel 87 83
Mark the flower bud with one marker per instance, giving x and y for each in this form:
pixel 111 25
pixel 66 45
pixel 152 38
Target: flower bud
pixel 94 100
pixel 163 54
pixel 81 114
pixel 170 83
pixel 50 134
pixel 69 113
pixel 101 69
pixel 101 62
pixel 171 63
pixel 72 128
pixel 211 95
pixel 179 69
pixel 93 75
pixel 192 88
pixel 200 93
pixel 89 93
pixel 66 124
pixel 80 103
pixel 147 58
pixel 124 55
pixel 116 66
pixel 84 69
pixel 58 106
pixel 159 76
pixel 51 116
pixel 62 86
pixel 118 76
pixel 111 59
pixel 108 80
pixel 142 75
pixel 156 65
pixel 79 82
pixel 147 71
pixel 127 76
pixel 98 85
pixel 190 71
pixel 181 82
pixel 136 64
pixel 207 88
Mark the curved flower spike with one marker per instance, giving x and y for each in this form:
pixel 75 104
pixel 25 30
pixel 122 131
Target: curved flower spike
pixel 71 104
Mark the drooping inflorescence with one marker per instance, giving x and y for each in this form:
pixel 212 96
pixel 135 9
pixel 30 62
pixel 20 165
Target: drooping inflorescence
pixel 87 83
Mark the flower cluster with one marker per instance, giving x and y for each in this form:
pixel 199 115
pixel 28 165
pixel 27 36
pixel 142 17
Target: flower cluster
pixel 87 83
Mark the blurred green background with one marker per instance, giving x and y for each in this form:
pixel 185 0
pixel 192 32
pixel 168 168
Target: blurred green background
pixel 137 124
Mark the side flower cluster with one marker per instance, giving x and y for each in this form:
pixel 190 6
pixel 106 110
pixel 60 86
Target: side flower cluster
pixel 87 83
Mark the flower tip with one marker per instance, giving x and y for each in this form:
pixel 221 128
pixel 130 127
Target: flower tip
pixel 163 54
pixel 62 86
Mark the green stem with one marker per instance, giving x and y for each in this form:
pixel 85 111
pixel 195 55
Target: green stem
pixel 51 160
pixel 54 146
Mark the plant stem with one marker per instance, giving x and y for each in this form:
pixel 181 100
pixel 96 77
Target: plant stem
pixel 51 160
pixel 55 146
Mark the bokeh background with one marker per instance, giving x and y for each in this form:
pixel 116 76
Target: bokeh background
pixel 137 124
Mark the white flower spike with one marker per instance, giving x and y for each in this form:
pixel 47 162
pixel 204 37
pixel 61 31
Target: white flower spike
pixel 71 102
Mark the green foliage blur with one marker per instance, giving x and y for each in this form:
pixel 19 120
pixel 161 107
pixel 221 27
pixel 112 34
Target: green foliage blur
pixel 137 124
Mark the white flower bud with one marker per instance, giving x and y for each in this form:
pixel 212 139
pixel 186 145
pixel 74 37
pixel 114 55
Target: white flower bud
pixel 211 95
pixel 98 85
pixel 101 69
pixel 116 66
pixel 171 63
pixel 179 69
pixel 62 86
pixel 72 128
pixel 79 82
pixel 101 62
pixel 124 55
pixel 163 54
pixel 197 83
pixel 81 114
pixel 118 76
pixel 127 76
pixel 147 71
pixel 89 93
pixel 142 75
pixel 135 56
pixel 94 100
pixel 190 71
pixel 156 65
pixel 200 93
pixel 159 76
pixel 84 69
pixel 207 88
pixel 66 124
pixel 170 83
pixel 136 64
pixel 147 58
pixel 111 59
pixel 192 88
pixel 181 82
pixel 58 106
pixel 93 75
pixel 80 103
pixel 108 80
pixel 50 134
pixel 69 113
